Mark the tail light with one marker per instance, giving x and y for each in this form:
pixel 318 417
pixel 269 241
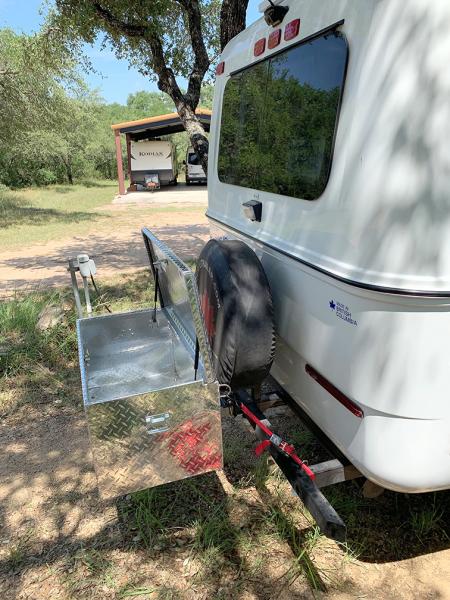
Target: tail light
pixel 333 391
pixel 292 30
pixel 274 39
pixel 260 46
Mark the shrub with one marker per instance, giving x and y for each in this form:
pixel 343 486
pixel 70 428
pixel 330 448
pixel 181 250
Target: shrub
pixel 45 177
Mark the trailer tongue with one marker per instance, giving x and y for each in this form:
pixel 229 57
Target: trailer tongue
pixel 152 399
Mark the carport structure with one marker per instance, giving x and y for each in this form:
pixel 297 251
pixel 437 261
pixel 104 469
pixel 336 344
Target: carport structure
pixel 151 127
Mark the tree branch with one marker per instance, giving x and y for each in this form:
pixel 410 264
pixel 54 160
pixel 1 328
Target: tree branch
pixel 201 63
pixel 166 78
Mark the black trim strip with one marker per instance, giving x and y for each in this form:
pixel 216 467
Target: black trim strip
pixel 359 284
pixel 304 40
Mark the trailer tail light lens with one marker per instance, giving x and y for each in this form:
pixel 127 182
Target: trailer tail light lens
pixel 220 68
pixel 274 39
pixel 260 46
pixel 333 391
pixel 292 30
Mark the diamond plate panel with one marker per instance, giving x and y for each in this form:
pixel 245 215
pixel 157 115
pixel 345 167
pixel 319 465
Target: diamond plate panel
pixel 155 438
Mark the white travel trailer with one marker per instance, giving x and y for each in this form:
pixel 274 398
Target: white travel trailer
pixel 194 169
pixel 153 157
pixel 330 157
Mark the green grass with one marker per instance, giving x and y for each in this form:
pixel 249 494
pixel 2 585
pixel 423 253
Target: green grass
pixel 37 215
pixel 38 366
pixel 426 520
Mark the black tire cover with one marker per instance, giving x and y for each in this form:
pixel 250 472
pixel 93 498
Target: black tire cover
pixel 238 312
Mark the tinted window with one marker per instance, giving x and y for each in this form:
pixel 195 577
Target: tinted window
pixel 279 118
pixel 193 159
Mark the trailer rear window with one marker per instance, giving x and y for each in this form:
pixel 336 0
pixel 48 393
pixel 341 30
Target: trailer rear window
pixel 279 118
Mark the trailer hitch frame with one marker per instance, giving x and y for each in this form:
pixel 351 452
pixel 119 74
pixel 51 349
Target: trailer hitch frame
pixel 296 471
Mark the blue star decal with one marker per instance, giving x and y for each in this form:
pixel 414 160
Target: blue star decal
pixel 332 305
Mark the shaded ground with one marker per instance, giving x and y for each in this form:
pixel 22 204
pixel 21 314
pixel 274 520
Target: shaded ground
pixel 238 534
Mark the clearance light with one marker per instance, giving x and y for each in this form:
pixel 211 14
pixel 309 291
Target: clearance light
pixel 291 30
pixel 274 39
pixel 333 391
pixel 220 68
pixel 260 46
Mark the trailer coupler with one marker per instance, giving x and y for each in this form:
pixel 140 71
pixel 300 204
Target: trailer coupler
pixel 296 471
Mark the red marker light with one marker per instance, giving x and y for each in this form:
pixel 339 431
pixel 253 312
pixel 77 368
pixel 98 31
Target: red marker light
pixel 260 46
pixel 274 39
pixel 292 30
pixel 333 391
pixel 220 68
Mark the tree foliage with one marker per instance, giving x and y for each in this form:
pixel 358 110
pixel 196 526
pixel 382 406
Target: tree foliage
pixel 164 39
pixel 54 129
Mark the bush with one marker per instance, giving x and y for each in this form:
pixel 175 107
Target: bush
pixel 45 177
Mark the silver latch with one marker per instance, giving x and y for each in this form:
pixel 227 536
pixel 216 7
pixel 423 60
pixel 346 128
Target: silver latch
pixel 157 423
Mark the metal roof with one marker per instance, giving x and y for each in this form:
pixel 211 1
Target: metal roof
pixel 162 124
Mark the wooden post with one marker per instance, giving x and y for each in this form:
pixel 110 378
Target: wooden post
pixel 128 140
pixel 119 163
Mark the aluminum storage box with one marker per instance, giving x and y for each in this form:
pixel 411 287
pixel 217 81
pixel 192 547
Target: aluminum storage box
pixel 151 401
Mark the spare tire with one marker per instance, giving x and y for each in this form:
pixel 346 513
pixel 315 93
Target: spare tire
pixel 238 312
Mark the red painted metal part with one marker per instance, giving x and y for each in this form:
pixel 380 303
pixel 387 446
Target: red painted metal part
pixel 220 68
pixel 286 448
pixel 337 394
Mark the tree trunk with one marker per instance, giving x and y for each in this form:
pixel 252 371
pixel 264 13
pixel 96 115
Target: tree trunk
pixel 68 168
pixel 195 131
pixel 232 20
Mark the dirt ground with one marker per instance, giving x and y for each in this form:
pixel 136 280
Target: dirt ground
pixel 116 247
pixel 58 541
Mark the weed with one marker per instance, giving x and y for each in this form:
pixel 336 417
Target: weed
pixel 261 472
pixel 426 520
pixel 95 562
pixel 23 343
pixel 19 550
pixel 16 556
pixel 303 440
pixel 303 563
pixel 215 531
pixel 136 592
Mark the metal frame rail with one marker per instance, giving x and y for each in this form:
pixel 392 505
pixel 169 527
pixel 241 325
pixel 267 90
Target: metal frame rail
pixel 305 481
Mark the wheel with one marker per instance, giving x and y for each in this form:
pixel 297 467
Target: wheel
pixel 238 312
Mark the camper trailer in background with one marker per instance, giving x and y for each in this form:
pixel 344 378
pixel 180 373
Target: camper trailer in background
pixel 194 169
pixel 150 158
